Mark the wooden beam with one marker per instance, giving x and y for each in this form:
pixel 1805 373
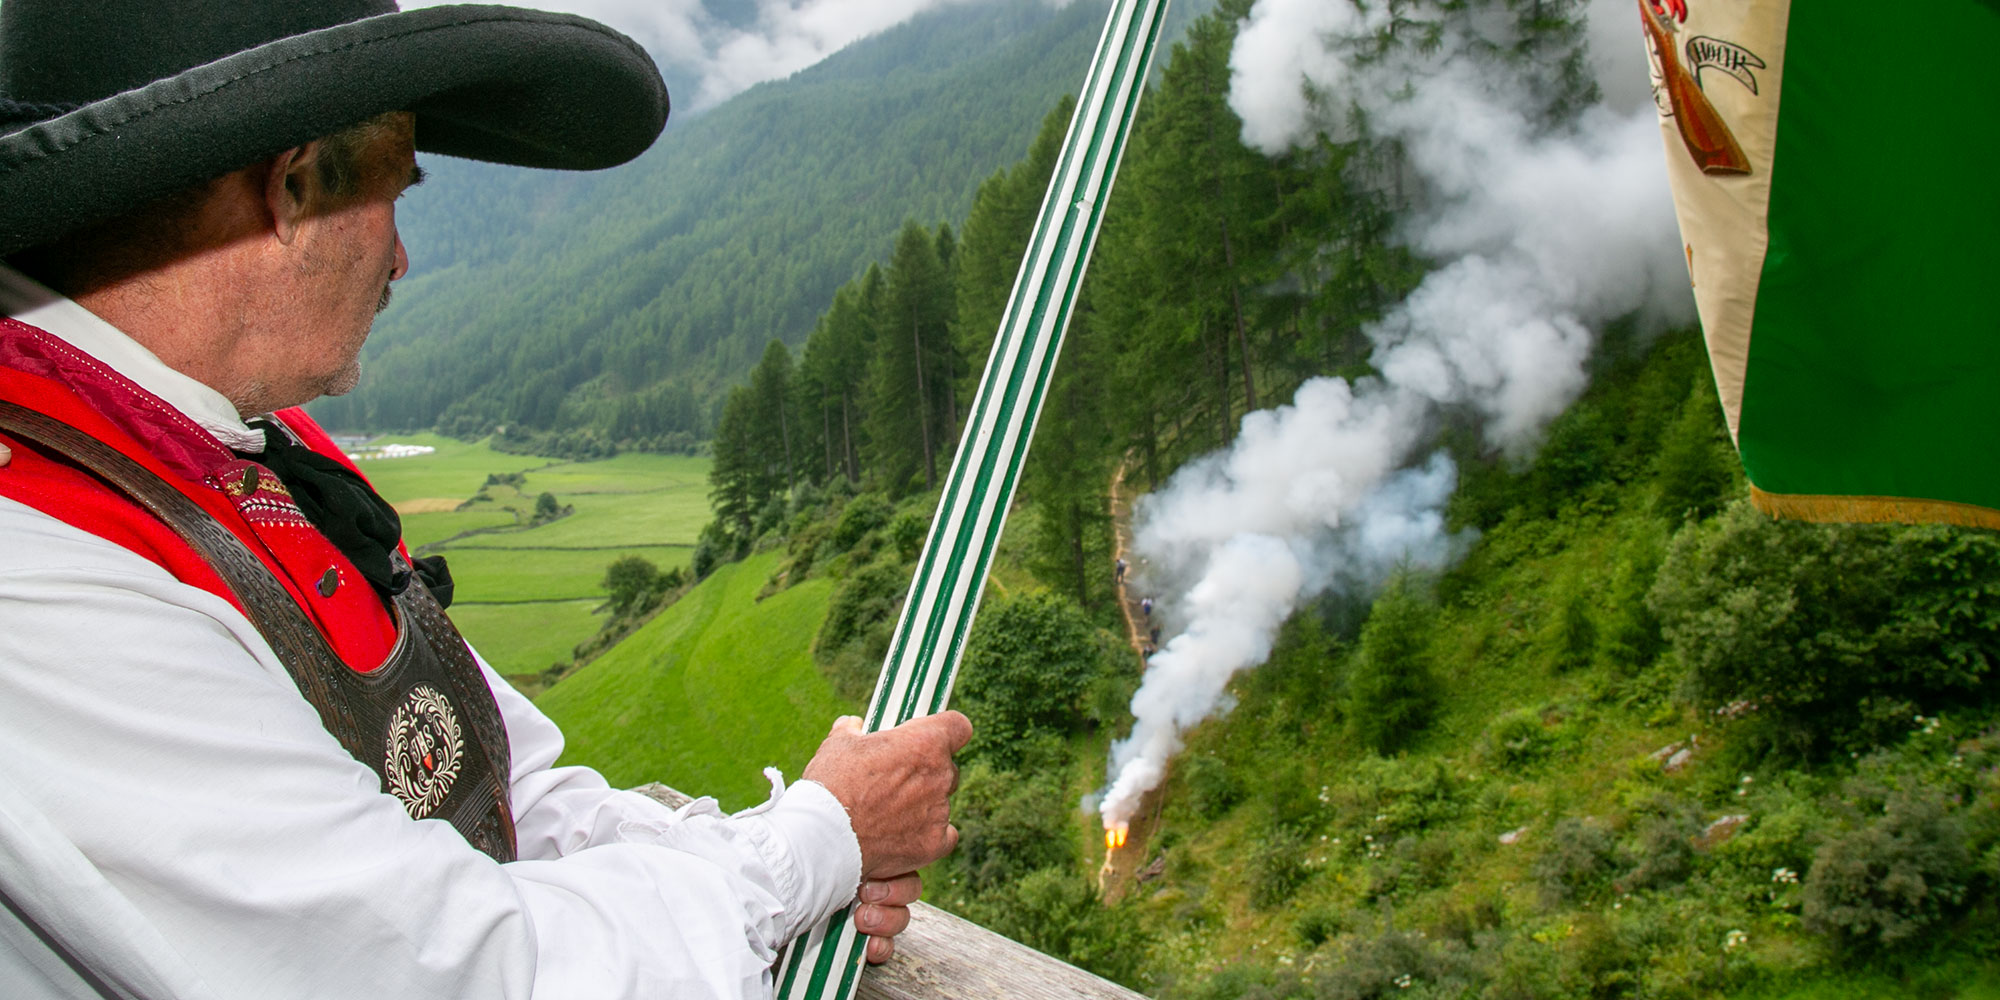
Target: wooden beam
pixel 946 957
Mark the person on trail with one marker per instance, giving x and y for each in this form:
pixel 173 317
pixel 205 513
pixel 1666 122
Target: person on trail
pixel 243 751
pixel 1146 606
pixel 1118 570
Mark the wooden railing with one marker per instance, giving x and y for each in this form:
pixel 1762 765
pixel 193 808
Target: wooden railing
pixel 944 957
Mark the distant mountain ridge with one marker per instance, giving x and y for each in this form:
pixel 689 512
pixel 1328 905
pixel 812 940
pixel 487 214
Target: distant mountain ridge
pixel 618 305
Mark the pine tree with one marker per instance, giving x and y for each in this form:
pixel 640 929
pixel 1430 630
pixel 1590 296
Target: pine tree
pixel 771 433
pixel 733 478
pixel 907 422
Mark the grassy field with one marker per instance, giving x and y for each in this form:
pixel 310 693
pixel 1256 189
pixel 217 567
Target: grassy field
pixel 526 591
pixel 431 528
pixel 534 636
pixel 709 692
pixel 508 576
pixel 661 516
pixel 453 472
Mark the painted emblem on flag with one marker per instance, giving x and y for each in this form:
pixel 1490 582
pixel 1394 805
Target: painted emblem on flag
pixel 426 750
pixel 1704 52
pixel 1677 85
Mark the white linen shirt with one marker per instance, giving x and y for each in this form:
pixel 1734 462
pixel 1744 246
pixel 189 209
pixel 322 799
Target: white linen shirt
pixel 176 823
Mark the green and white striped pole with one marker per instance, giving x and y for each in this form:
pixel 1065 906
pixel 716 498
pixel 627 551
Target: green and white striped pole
pixel 916 678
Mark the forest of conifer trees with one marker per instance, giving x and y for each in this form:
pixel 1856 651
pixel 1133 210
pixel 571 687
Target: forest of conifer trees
pixel 1223 279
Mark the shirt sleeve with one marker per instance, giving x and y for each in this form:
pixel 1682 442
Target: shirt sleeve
pixel 148 724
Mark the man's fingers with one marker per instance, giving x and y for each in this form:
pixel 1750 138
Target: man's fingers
pixel 845 724
pixel 950 840
pixel 950 728
pixel 881 921
pixel 901 890
pixel 879 949
pixel 955 728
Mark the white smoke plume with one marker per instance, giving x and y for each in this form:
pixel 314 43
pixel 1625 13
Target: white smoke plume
pixel 785 36
pixel 1540 239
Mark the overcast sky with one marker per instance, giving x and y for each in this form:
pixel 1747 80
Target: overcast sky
pixel 783 38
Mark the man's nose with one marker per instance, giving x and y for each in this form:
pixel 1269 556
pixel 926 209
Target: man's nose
pixel 402 265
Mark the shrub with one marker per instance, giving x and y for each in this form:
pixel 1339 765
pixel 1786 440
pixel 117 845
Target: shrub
pixel 1028 668
pixel 862 515
pixel 1213 788
pixel 864 601
pixel 1576 635
pixel 1008 825
pixel 630 581
pixel 1577 861
pixel 1396 964
pixel 1881 884
pixel 1462 922
pixel 1811 623
pixel 1318 925
pixel 907 532
pixel 1242 981
pixel 1277 868
pixel 1392 691
pixel 1662 848
pixel 1398 795
pixel 1693 465
pixel 1412 864
pixel 1054 911
pixel 771 516
pixel 1515 738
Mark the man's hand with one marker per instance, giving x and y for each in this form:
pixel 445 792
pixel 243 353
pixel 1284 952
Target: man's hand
pixel 884 912
pixel 894 785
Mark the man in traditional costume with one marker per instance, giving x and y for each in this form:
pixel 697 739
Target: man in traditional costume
pixel 243 753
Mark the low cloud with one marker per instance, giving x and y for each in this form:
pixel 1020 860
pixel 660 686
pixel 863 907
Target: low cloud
pixel 728 55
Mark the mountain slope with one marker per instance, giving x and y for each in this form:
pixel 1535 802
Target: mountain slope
pixel 539 298
pixel 701 697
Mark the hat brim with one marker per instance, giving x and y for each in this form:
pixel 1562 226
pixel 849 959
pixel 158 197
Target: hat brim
pixel 501 84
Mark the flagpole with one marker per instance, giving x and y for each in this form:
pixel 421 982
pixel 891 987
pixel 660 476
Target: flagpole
pixel 923 658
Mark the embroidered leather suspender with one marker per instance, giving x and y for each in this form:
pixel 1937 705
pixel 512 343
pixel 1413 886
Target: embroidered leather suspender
pixel 408 719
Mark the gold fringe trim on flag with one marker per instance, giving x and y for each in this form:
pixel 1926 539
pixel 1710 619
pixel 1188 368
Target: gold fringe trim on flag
pixel 1873 510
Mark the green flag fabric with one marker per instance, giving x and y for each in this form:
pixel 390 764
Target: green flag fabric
pixel 1836 173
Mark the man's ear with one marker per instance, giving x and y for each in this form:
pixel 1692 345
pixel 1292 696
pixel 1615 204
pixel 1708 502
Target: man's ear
pixel 291 187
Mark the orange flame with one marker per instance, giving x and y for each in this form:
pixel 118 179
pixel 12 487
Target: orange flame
pixel 1114 836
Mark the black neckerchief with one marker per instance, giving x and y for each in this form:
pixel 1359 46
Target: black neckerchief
pixel 349 513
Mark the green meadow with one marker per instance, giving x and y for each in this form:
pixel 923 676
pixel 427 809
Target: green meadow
pixel 513 576
pixel 451 473
pixel 533 636
pixel 527 593
pixel 705 695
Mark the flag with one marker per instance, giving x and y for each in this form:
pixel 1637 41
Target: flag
pixel 1836 173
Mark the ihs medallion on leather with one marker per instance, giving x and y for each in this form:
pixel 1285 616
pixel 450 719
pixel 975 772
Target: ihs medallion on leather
pixel 425 750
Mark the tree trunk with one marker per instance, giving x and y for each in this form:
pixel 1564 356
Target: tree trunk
pixel 1076 551
pixel 847 437
pixel 1152 444
pixel 951 394
pixel 1220 363
pixel 826 436
pixel 785 437
pixel 1236 310
pixel 923 402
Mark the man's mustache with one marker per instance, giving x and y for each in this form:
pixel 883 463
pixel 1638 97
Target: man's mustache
pixel 383 302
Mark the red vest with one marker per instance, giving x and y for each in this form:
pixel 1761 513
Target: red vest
pixel 46 374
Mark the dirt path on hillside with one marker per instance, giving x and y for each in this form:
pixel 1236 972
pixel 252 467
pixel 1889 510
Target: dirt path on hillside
pixel 1130 865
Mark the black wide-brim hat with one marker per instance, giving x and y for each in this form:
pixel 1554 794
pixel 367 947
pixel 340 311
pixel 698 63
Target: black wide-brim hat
pixel 108 104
